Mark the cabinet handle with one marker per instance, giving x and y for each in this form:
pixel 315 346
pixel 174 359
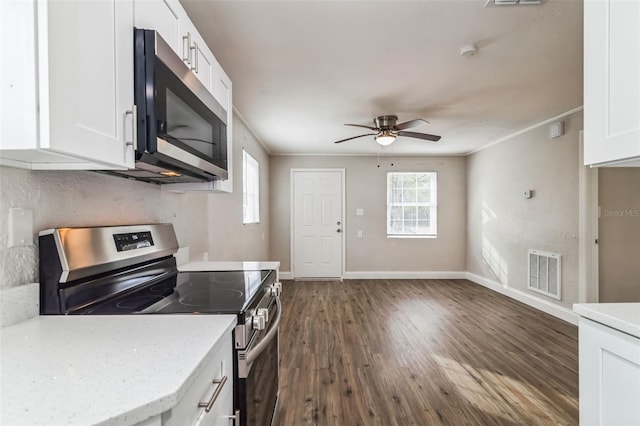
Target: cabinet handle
pixel 194 65
pixel 134 125
pixel 186 52
pixel 209 405
pixel 235 417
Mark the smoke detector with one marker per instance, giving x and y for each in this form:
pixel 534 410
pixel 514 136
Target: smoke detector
pixel 468 50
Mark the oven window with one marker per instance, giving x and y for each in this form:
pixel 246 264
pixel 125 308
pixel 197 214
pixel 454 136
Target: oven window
pixel 185 121
pixel 262 387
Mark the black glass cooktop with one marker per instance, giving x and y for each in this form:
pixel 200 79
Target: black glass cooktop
pixel 219 292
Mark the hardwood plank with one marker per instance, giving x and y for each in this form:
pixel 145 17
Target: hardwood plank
pixel 422 352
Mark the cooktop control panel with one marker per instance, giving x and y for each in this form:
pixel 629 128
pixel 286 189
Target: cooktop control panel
pixel 133 240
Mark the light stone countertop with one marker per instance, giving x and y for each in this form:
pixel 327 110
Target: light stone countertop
pixel 624 317
pixel 111 370
pixel 228 266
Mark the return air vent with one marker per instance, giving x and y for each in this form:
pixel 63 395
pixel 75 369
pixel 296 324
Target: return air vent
pixel 544 273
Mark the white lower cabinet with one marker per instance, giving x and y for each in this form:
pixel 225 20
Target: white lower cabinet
pixel 609 376
pixel 215 381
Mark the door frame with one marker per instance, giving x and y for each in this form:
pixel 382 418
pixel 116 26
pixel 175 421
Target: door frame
pixel 588 216
pixel 292 221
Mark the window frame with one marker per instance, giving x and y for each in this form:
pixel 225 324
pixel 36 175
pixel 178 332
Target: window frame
pixel 432 205
pixel 246 160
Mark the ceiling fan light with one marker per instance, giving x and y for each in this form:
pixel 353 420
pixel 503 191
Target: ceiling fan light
pixel 385 138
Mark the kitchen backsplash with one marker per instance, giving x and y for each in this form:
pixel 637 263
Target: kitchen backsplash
pixel 18 304
pixel 83 198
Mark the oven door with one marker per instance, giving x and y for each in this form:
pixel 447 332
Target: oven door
pixel 256 390
pixel 178 118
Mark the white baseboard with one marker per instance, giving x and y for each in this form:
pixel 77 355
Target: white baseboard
pixel 540 304
pixel 389 275
pixel 286 275
pixel 407 275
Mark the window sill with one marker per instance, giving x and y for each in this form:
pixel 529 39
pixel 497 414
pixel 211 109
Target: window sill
pixel 250 223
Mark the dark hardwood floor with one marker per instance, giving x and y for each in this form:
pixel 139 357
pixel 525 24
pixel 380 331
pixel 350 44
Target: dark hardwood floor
pixel 422 352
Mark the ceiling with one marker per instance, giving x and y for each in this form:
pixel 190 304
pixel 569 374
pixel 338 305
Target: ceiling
pixel 301 69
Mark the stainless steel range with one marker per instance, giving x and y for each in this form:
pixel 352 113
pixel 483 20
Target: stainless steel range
pixel 131 270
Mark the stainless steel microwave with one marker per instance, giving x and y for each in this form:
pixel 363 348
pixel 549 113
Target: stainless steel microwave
pixel 181 130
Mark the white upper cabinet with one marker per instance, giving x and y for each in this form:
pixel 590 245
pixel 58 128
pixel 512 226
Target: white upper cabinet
pixel 612 82
pixel 222 91
pixel 66 81
pixel 164 16
pixel 67 84
pixel 171 21
pixel 200 59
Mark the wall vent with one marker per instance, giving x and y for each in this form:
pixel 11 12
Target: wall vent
pixel 544 273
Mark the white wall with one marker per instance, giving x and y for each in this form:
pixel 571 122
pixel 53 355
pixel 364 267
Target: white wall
pixel 229 238
pixel 502 225
pixel 366 189
pixel 205 222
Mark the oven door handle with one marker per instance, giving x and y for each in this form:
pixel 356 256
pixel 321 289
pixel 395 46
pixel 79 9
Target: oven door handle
pixel 273 330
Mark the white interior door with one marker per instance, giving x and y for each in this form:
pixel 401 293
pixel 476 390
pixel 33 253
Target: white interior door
pixel 317 223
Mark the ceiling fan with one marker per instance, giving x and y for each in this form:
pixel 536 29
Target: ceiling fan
pixel 387 130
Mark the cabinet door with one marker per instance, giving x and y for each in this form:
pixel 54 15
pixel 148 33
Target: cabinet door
pixel 203 388
pixel 201 59
pixel 609 376
pixel 167 18
pixel 223 92
pixel 86 79
pixel 18 106
pixel 219 415
pixel 611 80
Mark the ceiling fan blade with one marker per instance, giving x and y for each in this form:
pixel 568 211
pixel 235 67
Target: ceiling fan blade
pixel 409 124
pixel 355 137
pixel 425 136
pixel 362 125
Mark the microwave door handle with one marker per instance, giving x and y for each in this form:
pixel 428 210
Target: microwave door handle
pixel 273 330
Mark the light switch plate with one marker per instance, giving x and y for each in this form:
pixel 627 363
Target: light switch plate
pixel 556 130
pixel 20 227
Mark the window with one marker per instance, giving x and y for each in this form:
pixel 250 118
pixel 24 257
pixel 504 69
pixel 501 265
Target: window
pixel 250 189
pixel 411 204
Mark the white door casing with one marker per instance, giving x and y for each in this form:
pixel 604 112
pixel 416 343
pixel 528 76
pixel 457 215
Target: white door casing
pixel 588 228
pixel 317 225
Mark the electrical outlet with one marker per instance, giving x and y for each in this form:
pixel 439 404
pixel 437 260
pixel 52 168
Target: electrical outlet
pixel 20 227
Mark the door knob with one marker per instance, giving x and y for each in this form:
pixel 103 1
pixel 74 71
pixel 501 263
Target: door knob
pixel 339 230
pixel 338 223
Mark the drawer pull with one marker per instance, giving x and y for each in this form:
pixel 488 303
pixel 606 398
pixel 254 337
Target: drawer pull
pixel 209 405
